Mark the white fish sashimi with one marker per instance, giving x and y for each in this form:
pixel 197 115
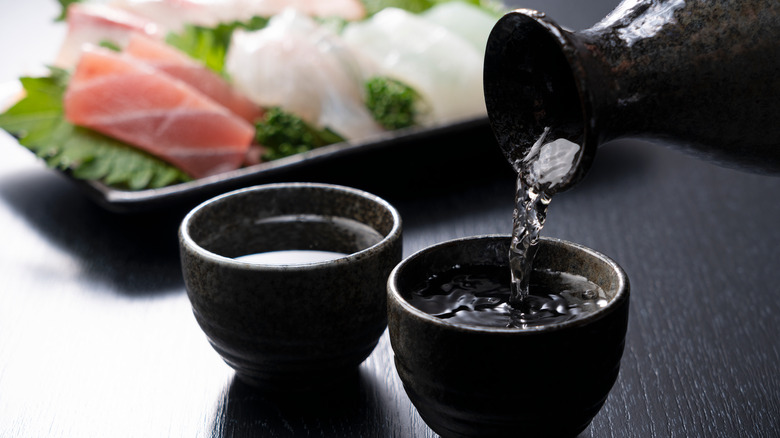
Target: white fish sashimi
pixel 346 9
pixel 468 21
pixel 304 68
pixel 174 14
pixel 443 67
pixel 95 23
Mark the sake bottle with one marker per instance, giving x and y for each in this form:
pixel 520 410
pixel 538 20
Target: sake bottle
pixel 702 75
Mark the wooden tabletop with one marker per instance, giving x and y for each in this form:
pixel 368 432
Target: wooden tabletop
pixel 97 338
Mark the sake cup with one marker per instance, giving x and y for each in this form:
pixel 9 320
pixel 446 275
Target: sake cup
pixel 291 325
pixel 468 380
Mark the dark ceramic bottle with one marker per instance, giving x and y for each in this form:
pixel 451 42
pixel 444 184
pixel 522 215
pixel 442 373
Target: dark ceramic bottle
pixel 700 74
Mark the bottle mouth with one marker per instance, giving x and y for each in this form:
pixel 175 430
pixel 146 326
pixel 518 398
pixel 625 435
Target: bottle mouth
pixel 530 87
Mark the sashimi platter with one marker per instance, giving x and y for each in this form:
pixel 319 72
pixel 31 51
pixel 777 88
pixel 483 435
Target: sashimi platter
pixel 149 99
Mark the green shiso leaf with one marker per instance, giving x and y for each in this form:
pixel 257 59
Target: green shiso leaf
pixel 417 6
pixel 64 8
pixel 374 6
pixel 110 45
pixel 38 122
pixel 209 45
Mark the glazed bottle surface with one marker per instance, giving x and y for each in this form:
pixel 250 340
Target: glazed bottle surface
pixel 702 75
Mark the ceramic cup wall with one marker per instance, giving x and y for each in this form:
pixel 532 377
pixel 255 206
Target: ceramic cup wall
pixel 469 380
pixel 298 326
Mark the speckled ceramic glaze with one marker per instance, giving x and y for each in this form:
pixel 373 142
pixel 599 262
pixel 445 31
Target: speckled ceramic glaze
pixel 469 381
pixel 290 327
pixel 704 75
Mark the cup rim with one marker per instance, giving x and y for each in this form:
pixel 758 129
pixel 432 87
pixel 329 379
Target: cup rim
pixel 186 239
pixel 622 294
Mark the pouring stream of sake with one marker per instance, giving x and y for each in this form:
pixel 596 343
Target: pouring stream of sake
pixel 548 165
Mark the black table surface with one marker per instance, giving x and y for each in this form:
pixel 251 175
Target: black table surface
pixel 97 338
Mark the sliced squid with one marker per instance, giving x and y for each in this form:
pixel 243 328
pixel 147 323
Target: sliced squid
pixel 443 67
pixel 304 68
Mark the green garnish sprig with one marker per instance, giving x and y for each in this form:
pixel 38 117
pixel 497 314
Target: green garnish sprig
pixel 282 134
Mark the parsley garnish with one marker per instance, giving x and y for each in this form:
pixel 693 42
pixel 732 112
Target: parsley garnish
pixel 392 103
pixel 283 134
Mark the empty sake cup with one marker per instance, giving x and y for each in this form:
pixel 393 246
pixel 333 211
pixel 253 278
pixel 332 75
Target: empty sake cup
pixel 285 321
pixel 470 380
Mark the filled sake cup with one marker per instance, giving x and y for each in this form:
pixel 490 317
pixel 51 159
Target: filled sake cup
pixel 543 377
pixel 288 281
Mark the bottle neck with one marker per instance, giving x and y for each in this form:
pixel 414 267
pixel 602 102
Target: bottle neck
pixel 531 89
pixel 684 73
pixel 671 70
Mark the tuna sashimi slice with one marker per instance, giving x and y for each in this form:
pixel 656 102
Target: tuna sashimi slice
pixel 175 14
pixel 125 99
pixel 177 64
pixel 94 23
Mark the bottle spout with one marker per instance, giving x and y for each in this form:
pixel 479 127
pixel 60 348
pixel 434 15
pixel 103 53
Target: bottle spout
pixel 533 91
pixel 700 76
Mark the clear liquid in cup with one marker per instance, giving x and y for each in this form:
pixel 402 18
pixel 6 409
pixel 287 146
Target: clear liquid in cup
pixel 480 295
